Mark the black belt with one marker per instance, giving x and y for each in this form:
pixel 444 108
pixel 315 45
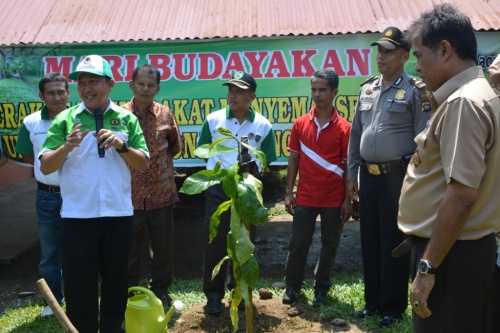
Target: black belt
pixel 376 169
pixel 48 188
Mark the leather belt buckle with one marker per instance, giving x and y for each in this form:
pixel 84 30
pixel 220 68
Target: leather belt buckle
pixel 49 188
pixel 373 169
pixel 55 189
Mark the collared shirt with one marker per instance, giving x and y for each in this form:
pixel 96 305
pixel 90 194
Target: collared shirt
pixel 155 188
pixel 461 142
pixel 92 186
pixel 257 128
pixel 321 151
pixel 386 121
pixel 32 135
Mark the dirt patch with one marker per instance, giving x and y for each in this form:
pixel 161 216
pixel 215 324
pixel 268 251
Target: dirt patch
pixel 269 316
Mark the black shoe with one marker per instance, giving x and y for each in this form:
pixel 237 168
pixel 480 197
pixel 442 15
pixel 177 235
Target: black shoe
pixel 289 296
pixel 319 298
pixel 360 314
pixel 214 306
pixel 166 299
pixel 387 321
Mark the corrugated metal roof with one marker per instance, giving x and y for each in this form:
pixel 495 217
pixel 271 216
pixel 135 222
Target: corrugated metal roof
pixel 35 22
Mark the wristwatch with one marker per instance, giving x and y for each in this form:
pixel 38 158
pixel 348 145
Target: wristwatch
pixel 424 267
pixel 125 148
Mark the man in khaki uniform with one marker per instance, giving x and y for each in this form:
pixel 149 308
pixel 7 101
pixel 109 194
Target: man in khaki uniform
pixel 493 321
pixel 449 200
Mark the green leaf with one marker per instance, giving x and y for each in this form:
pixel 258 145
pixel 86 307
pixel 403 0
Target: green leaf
pixel 250 271
pixel 218 266
pixel 234 319
pixel 235 224
pixel 208 150
pixel 260 216
pixel 217 149
pixel 225 131
pixel 243 287
pixel 200 181
pixel 231 245
pixel 261 157
pixel 217 166
pixel 218 142
pixel 215 219
pixel 202 151
pixel 244 247
pixel 228 179
pixel 239 244
pixel 256 184
pixel 236 297
pixel 248 205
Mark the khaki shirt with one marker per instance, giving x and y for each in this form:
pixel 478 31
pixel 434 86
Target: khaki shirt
pixel 461 142
pixel 386 121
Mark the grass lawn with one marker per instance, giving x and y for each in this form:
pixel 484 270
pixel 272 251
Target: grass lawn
pixel 16 91
pixel 347 296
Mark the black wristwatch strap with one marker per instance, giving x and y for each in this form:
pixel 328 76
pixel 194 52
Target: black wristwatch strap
pixel 424 267
pixel 125 148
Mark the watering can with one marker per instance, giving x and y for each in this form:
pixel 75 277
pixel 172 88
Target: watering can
pixel 144 313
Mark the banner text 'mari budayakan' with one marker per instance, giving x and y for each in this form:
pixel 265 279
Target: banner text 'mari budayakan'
pixel 214 66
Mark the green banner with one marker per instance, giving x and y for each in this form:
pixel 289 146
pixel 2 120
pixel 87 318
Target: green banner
pixel 193 74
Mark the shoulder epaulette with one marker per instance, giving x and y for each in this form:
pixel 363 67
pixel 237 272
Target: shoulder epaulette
pixel 417 83
pixel 374 77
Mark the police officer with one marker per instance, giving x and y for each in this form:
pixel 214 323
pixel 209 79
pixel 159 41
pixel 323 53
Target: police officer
pixel 392 109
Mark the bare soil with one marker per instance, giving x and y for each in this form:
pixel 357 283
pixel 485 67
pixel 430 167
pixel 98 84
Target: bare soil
pixel 271 250
pixel 269 316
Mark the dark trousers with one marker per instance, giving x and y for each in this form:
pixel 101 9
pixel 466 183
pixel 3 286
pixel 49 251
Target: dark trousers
pixel 217 249
pixel 304 223
pixel 160 225
pixel 385 278
pixel 92 248
pixel 459 298
pixel 493 316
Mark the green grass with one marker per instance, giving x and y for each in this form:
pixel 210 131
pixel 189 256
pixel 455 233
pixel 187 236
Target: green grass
pixel 34 80
pixel 277 211
pixel 27 319
pixel 345 297
pixel 16 91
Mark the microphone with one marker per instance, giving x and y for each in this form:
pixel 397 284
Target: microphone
pixel 98 114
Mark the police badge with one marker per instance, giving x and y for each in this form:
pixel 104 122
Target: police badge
pixel 400 94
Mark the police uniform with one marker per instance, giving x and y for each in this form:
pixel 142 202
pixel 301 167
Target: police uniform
pixel 386 121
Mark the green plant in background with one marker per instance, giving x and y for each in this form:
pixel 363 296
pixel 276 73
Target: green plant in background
pixel 246 207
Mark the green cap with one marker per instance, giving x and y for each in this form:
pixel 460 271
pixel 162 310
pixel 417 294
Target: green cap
pixel 92 64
